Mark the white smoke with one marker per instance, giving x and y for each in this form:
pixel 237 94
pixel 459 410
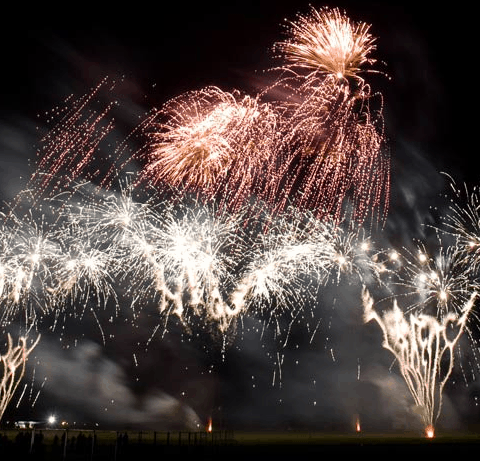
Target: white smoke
pixel 91 386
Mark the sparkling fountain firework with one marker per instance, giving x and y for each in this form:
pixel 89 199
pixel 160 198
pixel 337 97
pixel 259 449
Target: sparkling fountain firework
pixel 13 364
pixel 424 350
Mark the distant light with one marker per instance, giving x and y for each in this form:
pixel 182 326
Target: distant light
pixel 51 419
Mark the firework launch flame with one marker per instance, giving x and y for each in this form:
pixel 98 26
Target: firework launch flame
pixel 429 432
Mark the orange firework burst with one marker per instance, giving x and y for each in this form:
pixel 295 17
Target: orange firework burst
pixel 327 41
pixel 332 157
pixel 211 140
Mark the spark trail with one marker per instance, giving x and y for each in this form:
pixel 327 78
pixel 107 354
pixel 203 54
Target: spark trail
pixel 13 364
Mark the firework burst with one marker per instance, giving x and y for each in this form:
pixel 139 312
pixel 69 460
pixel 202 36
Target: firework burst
pixel 214 142
pixel 462 222
pixel 437 284
pixel 332 158
pixel 327 41
pixel 28 251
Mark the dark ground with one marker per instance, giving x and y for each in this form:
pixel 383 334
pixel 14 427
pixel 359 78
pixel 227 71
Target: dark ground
pixel 230 444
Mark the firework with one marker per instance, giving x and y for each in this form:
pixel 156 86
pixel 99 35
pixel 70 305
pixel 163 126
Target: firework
pixel 213 141
pixel 437 284
pixel 12 364
pixel 81 273
pixel 28 250
pixel 328 41
pixel 70 146
pixel 462 222
pixel 180 253
pixel 282 260
pixel 424 350
pixel 332 158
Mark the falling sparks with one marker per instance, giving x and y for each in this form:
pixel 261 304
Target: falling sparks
pixel 333 158
pixel 213 141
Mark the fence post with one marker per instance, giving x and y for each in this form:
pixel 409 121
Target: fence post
pixel 65 433
pixel 93 445
pixel 116 446
pixel 32 438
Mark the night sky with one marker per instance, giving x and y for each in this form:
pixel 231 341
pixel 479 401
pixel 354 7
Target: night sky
pixel 180 381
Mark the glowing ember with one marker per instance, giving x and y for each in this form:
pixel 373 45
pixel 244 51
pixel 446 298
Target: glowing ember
pixel 429 432
pixel 357 425
pixel 210 425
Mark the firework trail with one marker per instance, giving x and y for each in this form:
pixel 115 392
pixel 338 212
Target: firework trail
pixel 332 156
pixel 424 350
pixel 12 364
pixel 82 143
pixel 213 141
pixel 69 147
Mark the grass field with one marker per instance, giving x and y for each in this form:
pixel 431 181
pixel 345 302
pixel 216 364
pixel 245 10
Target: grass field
pixel 112 445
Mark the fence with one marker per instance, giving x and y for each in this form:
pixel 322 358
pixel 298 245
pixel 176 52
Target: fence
pixel 67 444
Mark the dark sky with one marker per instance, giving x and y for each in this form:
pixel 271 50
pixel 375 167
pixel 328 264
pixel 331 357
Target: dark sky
pixel 162 53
